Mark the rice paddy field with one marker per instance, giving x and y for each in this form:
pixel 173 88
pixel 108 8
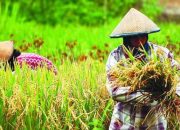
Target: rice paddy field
pixel 76 98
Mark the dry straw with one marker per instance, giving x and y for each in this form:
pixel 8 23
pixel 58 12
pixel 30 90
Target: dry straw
pixel 75 98
pixel 156 79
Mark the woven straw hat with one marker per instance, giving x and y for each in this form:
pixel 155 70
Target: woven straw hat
pixel 134 23
pixel 6 50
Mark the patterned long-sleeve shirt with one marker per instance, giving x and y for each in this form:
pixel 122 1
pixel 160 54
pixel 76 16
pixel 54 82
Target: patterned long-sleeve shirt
pixel 34 61
pixel 127 115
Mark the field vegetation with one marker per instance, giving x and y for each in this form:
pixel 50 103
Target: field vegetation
pixel 76 98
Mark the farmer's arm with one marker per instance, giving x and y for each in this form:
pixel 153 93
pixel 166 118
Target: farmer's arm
pixel 119 93
pixel 122 94
pixel 174 63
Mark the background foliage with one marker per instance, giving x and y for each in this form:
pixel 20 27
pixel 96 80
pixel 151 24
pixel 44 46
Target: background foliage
pixel 80 28
pixel 74 34
pixel 89 12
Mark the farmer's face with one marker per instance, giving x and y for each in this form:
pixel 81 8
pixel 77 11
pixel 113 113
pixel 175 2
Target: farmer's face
pixel 137 41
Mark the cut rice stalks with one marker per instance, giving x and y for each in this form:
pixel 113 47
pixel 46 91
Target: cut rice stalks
pixel 156 79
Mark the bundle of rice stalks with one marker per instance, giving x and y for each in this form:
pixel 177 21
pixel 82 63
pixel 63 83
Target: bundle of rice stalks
pixel 156 79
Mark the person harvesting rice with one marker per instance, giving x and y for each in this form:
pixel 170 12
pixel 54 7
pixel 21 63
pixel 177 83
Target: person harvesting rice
pixel 133 109
pixel 11 56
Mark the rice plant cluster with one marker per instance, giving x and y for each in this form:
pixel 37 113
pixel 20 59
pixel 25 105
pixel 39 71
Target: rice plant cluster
pixel 156 79
pixel 75 98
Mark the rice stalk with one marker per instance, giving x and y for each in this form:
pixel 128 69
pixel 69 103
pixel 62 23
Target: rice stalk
pixel 156 80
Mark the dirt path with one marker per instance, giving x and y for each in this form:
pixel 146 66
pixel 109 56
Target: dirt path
pixel 170 3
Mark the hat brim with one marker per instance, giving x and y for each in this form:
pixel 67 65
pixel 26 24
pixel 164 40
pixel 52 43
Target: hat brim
pixel 133 34
pixel 6 50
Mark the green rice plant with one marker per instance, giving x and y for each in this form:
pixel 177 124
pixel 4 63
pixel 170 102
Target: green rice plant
pixel 55 38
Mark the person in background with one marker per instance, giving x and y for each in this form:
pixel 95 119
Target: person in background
pixel 134 29
pixel 11 56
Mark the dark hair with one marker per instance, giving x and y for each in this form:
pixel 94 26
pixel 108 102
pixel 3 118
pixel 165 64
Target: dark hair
pixel 126 40
pixel 12 59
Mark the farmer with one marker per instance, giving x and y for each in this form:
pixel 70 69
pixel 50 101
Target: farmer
pixel 11 56
pixel 134 29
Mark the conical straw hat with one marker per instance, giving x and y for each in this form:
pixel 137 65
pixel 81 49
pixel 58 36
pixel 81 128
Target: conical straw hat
pixel 134 23
pixel 6 50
